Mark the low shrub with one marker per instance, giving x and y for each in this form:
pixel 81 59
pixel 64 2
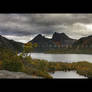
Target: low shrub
pixel 15 66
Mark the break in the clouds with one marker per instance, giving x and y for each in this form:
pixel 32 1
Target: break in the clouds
pixel 23 27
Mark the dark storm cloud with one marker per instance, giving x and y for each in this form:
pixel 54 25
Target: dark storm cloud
pixel 31 24
pixel 58 19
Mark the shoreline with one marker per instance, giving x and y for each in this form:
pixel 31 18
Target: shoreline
pixel 81 68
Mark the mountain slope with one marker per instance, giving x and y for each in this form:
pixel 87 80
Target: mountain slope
pixel 62 38
pixel 58 40
pixel 85 42
pixel 10 44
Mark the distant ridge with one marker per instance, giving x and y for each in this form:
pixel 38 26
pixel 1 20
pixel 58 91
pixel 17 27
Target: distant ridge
pixel 58 40
pixel 84 42
pixel 61 40
pixel 10 44
pixel 60 36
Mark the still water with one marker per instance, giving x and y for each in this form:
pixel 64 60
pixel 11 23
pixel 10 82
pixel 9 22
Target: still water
pixel 63 57
pixel 69 75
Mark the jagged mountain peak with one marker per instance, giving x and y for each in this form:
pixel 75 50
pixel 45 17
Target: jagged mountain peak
pixel 60 36
pixel 56 33
pixel 39 38
pixel 39 35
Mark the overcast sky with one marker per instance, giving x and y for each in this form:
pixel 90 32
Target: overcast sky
pixel 23 27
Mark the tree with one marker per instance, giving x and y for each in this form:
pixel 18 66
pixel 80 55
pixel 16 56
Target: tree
pixel 28 48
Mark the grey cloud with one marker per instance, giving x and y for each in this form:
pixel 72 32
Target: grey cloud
pixel 31 24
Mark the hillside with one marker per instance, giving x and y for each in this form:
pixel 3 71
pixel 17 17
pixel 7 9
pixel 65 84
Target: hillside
pixel 58 40
pixel 10 44
pixel 85 42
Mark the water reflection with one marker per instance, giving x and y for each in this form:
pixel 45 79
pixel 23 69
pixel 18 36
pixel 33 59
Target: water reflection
pixel 69 74
pixel 63 57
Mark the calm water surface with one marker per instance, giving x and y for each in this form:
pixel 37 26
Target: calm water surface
pixel 63 57
pixel 70 74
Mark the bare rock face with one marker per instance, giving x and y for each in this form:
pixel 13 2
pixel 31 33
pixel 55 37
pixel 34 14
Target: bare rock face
pixel 4 74
pixel 58 39
pixel 84 42
pixel 62 38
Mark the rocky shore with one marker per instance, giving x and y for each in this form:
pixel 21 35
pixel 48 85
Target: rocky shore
pixel 4 74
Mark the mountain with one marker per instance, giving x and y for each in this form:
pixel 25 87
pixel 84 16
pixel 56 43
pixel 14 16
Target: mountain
pixel 43 42
pixel 62 38
pixel 84 42
pixel 58 40
pixel 10 44
pixel 40 39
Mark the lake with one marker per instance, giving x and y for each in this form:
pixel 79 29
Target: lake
pixel 63 57
pixel 69 74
